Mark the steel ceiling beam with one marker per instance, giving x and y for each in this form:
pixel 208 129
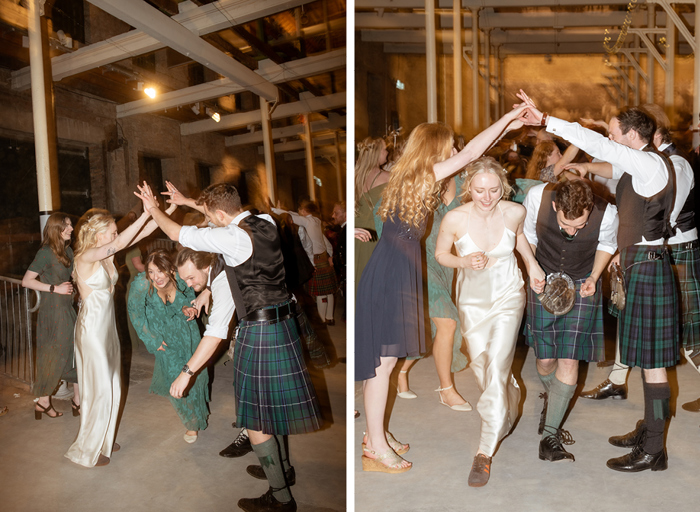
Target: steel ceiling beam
pixel 199 20
pixel 334 122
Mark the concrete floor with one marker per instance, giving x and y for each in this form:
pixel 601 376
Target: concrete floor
pixel 155 469
pixel 444 442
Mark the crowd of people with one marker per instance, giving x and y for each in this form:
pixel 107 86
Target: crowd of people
pixel 579 202
pixel 232 269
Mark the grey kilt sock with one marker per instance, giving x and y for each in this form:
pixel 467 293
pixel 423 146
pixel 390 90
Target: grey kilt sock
pixel 269 455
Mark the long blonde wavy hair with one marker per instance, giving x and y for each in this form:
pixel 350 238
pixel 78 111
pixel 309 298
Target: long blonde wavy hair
pixel 55 225
pixel 412 192
pixel 368 153
pixel 485 165
pixel 90 227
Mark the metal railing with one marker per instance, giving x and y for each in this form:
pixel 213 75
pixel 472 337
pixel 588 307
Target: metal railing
pixel 16 331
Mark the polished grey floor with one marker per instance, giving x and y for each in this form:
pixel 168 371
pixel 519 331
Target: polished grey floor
pixel 155 469
pixel 444 442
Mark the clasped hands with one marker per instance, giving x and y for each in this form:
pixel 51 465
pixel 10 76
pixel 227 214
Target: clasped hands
pixel 176 198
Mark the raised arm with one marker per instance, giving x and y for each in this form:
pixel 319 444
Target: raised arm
pixel 150 204
pixel 123 240
pixel 477 145
pixel 603 169
pixel 178 199
pixel 565 159
pixel 151 226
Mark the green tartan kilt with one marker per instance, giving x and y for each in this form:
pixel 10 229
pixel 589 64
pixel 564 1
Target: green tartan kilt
pixel 323 281
pixel 274 393
pixel 576 335
pixel 649 325
pixel 686 266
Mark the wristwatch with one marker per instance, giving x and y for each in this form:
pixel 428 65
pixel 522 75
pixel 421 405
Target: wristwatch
pixel 51 288
pixel 186 369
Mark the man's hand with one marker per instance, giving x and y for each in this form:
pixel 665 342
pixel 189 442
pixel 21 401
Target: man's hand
pixel 588 287
pixel 175 196
pixel 179 385
pixel 202 300
pixel 579 169
pixel 190 313
pixel 532 116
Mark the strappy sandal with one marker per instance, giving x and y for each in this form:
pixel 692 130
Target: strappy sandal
pixel 76 408
pixel 385 463
pixel 465 407
pixel 395 445
pixel 45 410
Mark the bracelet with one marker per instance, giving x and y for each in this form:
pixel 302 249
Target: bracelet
pixel 51 288
pixel 545 116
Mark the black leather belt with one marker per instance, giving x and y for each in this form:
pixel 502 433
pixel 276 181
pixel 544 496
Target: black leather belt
pixel 272 315
pixel 689 245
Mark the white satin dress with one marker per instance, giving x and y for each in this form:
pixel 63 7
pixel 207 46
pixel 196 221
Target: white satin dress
pixel 491 303
pixel 98 360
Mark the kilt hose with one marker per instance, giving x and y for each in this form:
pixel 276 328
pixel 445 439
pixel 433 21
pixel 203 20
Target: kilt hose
pixel 685 259
pixel 648 327
pixel 576 335
pixel 323 281
pixel 274 393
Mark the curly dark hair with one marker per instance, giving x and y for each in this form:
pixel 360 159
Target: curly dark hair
pixel 200 259
pixel 573 198
pixel 637 120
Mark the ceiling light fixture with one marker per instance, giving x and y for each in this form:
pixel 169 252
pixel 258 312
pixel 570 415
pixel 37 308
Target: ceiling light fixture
pixel 150 92
pixel 195 108
pixel 214 115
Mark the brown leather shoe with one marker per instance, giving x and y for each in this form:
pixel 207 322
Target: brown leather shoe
pixel 630 439
pixel 607 389
pixel 693 406
pixel 102 461
pixel 116 447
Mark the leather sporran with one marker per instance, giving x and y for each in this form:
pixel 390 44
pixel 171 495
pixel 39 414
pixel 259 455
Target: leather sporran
pixel 559 294
pixel 618 293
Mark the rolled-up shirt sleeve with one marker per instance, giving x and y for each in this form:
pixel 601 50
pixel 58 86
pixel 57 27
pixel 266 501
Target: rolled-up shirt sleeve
pixel 648 171
pixel 222 308
pixel 607 236
pixel 231 241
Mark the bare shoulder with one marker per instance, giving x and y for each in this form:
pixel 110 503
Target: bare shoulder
pixel 457 215
pixel 513 210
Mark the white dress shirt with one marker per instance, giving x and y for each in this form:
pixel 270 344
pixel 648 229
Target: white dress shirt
pixel 607 237
pixel 648 170
pixel 313 228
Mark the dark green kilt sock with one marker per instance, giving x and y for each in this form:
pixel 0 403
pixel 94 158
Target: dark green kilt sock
pixel 269 455
pixel 656 414
pixel 560 395
pixel 547 379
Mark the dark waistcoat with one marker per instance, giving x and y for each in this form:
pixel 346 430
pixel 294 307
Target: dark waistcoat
pixel 557 254
pixel 686 218
pixel 648 217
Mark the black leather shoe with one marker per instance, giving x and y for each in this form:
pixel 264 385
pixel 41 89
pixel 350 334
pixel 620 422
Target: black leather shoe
pixel 258 472
pixel 551 447
pixel 607 390
pixel 266 502
pixel 634 438
pixel 639 460
pixel 693 406
pixel 543 414
pixel 240 446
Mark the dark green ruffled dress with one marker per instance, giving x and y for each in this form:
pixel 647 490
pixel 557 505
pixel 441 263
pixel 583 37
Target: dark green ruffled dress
pixel 55 325
pixel 156 322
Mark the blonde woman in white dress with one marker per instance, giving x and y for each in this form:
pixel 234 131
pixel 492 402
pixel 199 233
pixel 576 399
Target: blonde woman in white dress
pixel 97 351
pixel 489 296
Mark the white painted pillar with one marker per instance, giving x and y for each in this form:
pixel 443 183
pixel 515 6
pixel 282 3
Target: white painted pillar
pixel 475 70
pixel 670 68
pixel 268 151
pixel 457 61
pixel 338 167
pixel 696 78
pixel 502 86
pixel 49 196
pixel 487 77
pixel 309 147
pixel 431 60
pixel 651 61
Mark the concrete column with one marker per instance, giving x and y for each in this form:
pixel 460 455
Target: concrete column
pixel 670 68
pixel 309 147
pixel 651 62
pixel 696 80
pixel 487 77
pixel 475 70
pixel 502 87
pixel 457 61
pixel 43 113
pixel 269 151
pixel 431 60
pixel 338 167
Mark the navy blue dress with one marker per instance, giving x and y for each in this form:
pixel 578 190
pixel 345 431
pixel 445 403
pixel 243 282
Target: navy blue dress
pixel 389 316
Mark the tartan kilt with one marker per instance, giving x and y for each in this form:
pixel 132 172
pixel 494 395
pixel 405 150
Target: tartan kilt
pixel 274 393
pixel 576 335
pixel 686 266
pixel 323 281
pixel 648 327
